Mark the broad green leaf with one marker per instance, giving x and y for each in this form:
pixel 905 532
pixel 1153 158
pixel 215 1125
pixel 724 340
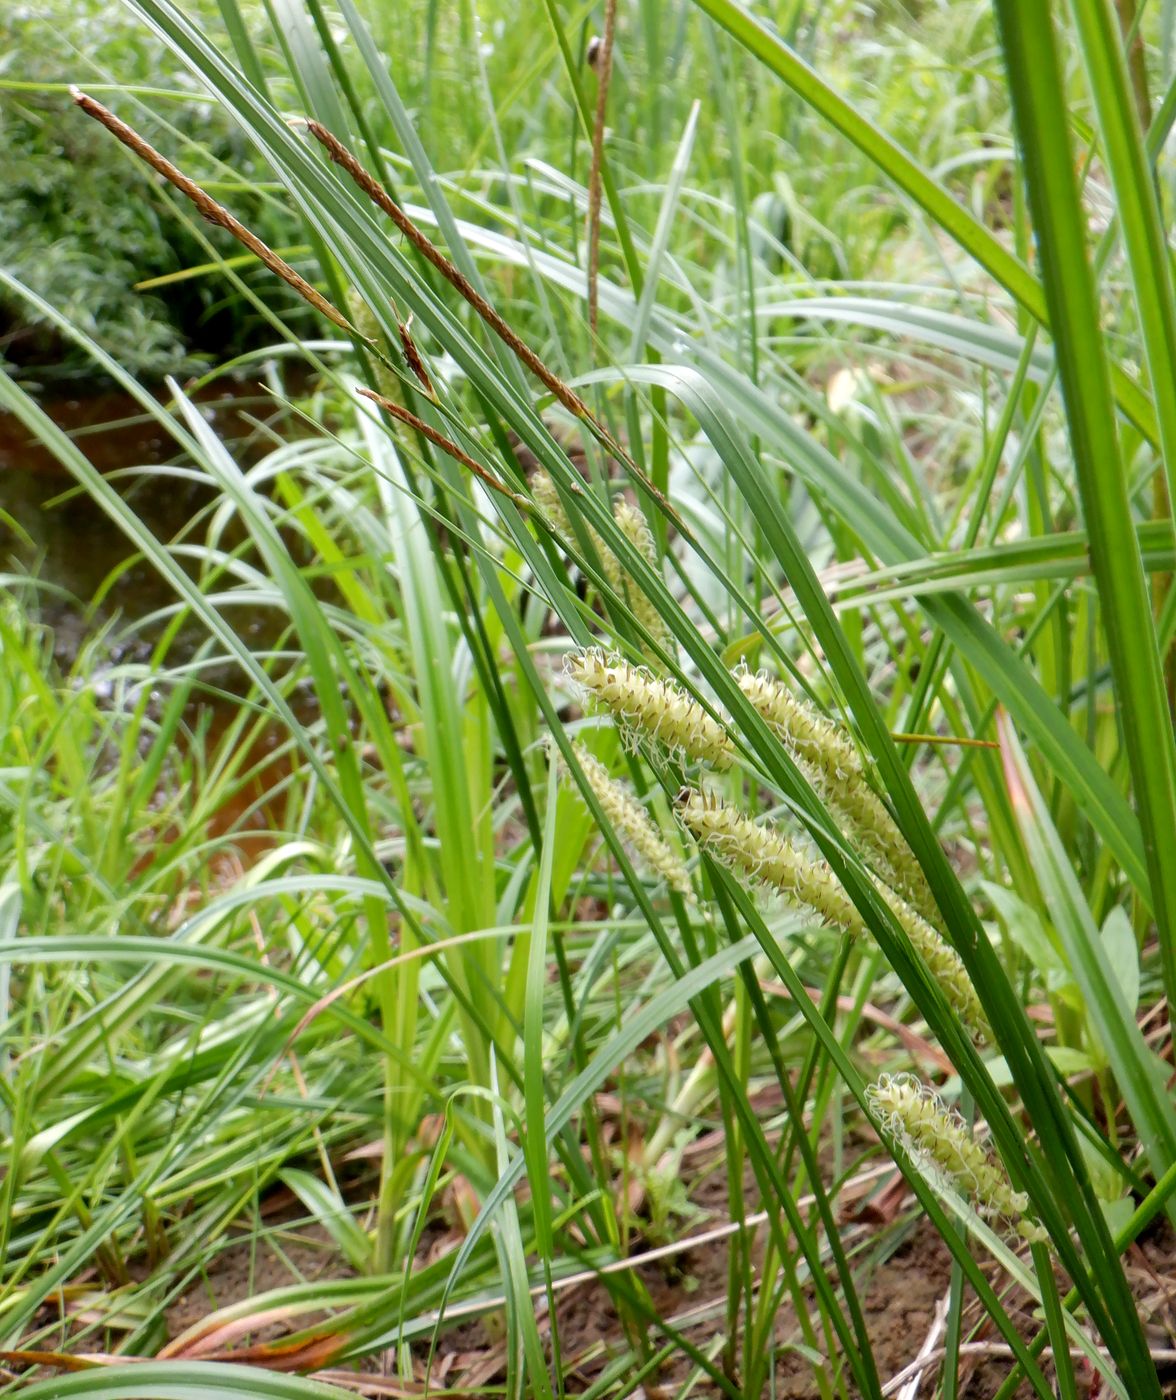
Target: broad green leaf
pixel 1122 954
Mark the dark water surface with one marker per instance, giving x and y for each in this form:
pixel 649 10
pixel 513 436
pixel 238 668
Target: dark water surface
pixel 57 534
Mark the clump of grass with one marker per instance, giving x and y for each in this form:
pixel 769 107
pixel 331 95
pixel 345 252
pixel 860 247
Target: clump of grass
pixel 449 831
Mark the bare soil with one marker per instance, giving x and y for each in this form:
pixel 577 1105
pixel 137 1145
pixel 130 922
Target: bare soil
pixel 906 1270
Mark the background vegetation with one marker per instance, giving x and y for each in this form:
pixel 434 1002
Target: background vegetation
pixel 319 945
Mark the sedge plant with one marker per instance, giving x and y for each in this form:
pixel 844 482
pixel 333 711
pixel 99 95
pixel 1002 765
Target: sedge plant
pixel 867 676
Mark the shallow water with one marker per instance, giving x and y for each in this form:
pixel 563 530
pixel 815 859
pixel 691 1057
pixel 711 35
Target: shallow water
pixel 58 535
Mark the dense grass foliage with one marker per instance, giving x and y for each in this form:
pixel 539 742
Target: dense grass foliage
pixel 87 226
pixel 733 741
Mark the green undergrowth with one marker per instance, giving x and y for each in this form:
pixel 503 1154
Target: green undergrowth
pixel 86 226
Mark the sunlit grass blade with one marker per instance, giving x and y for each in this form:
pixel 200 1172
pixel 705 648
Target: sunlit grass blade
pixel 899 166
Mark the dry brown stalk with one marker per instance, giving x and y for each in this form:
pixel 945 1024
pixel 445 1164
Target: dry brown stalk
pixel 413 357
pixel 444 443
pixel 567 396
pixel 428 250
pixel 603 66
pixel 208 207
pixel 217 214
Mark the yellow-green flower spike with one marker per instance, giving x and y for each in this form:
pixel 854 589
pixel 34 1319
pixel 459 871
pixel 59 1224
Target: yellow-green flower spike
pixel 629 818
pixel 806 732
pixel 865 812
pixel 548 501
pixel 547 498
pixel 651 707
pixel 634 527
pixel 825 752
pixel 912 1114
pixel 944 964
pixel 764 855
pixel 632 523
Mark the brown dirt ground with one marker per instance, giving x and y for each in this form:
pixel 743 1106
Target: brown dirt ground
pixel 906 1282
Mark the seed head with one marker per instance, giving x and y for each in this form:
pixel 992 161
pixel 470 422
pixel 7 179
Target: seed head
pixel 651 707
pixel 633 525
pixel 635 528
pixel 806 732
pixel 830 761
pixel 548 500
pixel 631 819
pixel 766 856
pixel 911 1114
pixel 944 964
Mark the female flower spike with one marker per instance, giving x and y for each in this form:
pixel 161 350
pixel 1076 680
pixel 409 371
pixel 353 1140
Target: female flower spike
pixel 832 764
pixel 651 707
pixel 764 855
pixel 912 1114
pixel 806 732
pixel 632 524
pixel 632 821
pixel 767 857
pixel 634 527
pixel 548 500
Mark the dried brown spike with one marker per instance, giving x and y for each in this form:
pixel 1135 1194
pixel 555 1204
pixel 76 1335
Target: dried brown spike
pixel 444 443
pixel 380 197
pixel 602 62
pixel 413 357
pixel 208 207
pixel 575 405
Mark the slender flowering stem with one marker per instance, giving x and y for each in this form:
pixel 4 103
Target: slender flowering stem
pixel 567 396
pixel 394 410
pixel 380 197
pixel 603 66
